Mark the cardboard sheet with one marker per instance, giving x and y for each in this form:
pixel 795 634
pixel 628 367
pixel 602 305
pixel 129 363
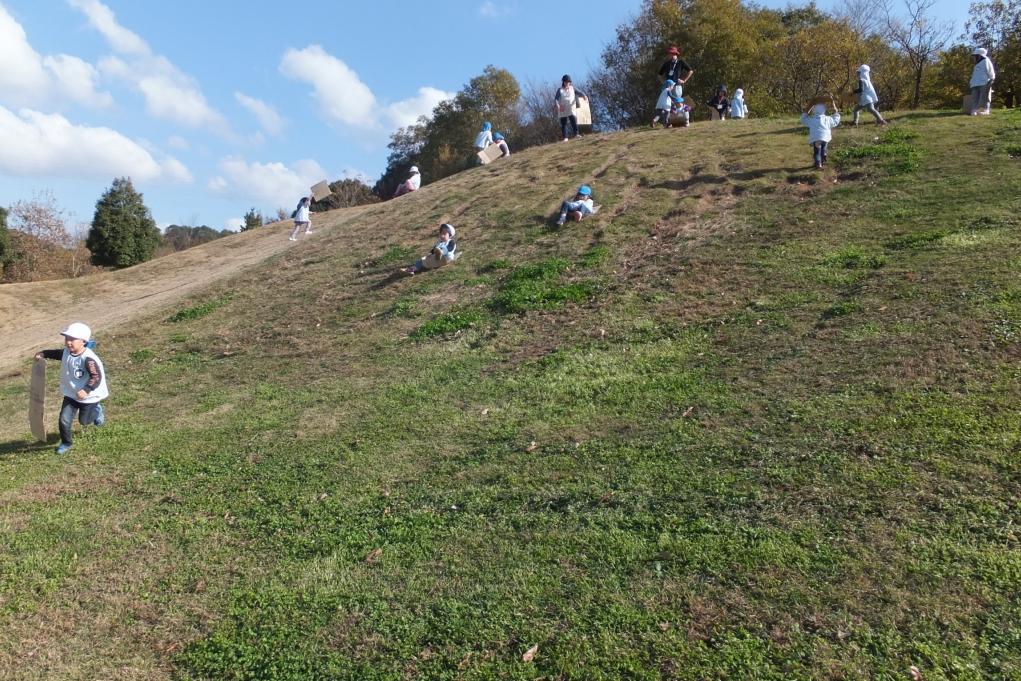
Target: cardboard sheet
pixel 37 400
pixel 583 112
pixel 490 154
pixel 321 191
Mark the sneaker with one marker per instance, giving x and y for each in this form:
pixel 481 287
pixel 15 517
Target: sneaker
pixel 308 231
pixel 62 448
pixel 293 238
pixel 561 221
pixel 100 416
pixel 818 166
pixel 578 136
pixel 564 140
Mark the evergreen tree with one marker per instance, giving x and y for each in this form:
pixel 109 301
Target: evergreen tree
pixel 253 219
pixel 123 232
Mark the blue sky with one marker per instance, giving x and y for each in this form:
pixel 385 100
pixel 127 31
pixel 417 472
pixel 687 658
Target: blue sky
pixel 212 109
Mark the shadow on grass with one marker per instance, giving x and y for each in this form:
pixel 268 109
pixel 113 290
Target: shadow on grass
pixel 9 449
pixel 393 278
pixel 785 131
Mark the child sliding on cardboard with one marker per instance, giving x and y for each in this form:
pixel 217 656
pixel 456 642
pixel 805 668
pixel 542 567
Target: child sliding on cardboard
pixel 577 208
pixel 444 252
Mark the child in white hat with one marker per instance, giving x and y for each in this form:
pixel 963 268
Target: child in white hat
pixel 820 128
pixel 82 381
pixel 444 252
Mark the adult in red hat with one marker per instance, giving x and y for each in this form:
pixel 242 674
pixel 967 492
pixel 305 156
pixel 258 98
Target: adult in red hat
pixel 674 68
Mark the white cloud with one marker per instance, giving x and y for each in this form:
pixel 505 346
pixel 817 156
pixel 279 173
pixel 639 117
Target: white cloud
pixel 407 112
pixel 178 142
pixel 491 10
pixel 272 184
pixel 27 78
pixel 271 121
pixel 234 224
pixel 38 144
pixel 77 79
pixel 169 93
pixel 344 98
pixel 103 20
pixel 341 94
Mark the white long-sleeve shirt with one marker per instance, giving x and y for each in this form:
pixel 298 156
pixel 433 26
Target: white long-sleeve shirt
pixel 820 127
pixel 983 73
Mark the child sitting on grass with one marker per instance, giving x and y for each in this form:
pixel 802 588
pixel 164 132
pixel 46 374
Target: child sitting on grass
pixel 581 206
pixel 820 127
pixel 82 381
pixel 445 251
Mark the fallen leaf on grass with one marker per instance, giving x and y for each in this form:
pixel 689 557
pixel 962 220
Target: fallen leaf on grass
pixel 485 411
pixel 916 673
pixel 532 446
pixel 688 411
pixel 530 653
pixel 374 555
pixel 663 626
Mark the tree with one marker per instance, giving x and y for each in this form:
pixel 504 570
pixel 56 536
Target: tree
pixel 179 237
pixel 442 144
pixel 40 245
pixel 6 246
pixel 253 219
pixel 996 25
pixel 346 193
pixel 920 36
pixel 123 232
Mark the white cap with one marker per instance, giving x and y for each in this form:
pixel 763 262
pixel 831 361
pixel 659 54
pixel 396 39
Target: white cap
pixel 449 227
pixel 864 68
pixel 77 330
pixel 739 92
pixel 980 52
pixel 413 169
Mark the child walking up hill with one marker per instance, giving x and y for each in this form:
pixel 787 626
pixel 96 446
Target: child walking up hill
pixel 820 127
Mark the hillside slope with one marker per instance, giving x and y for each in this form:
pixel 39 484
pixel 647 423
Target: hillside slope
pixel 31 312
pixel 750 421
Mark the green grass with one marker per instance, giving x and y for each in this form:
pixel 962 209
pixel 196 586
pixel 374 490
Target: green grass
pixel 200 310
pixel 732 427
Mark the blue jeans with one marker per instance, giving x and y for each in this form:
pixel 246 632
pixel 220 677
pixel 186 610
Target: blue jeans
pixel 87 414
pixel 819 152
pixel 571 120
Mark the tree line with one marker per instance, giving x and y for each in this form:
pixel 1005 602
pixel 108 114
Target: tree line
pixel 781 58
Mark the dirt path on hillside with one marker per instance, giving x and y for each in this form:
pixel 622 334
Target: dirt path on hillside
pixel 32 314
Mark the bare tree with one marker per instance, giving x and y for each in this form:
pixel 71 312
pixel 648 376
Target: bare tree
pixel 865 17
pixel 919 35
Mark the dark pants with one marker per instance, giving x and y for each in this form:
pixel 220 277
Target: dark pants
pixel 664 115
pixel 87 414
pixel 571 120
pixel 819 152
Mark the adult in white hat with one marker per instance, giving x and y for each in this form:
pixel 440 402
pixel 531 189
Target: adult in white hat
pixel 412 184
pixel 867 97
pixel 982 77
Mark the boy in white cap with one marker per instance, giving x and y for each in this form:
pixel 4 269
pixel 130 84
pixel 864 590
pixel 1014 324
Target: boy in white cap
pixel 444 252
pixel 867 97
pixel 82 381
pixel 820 128
pixel 982 77
pixel 412 184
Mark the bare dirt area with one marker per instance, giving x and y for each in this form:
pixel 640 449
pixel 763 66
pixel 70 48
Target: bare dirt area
pixel 32 314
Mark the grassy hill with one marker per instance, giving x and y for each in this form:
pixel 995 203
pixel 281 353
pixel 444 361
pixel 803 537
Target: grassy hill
pixel 749 422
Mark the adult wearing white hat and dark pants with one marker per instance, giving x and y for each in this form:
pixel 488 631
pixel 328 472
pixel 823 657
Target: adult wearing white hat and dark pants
pixel 982 77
